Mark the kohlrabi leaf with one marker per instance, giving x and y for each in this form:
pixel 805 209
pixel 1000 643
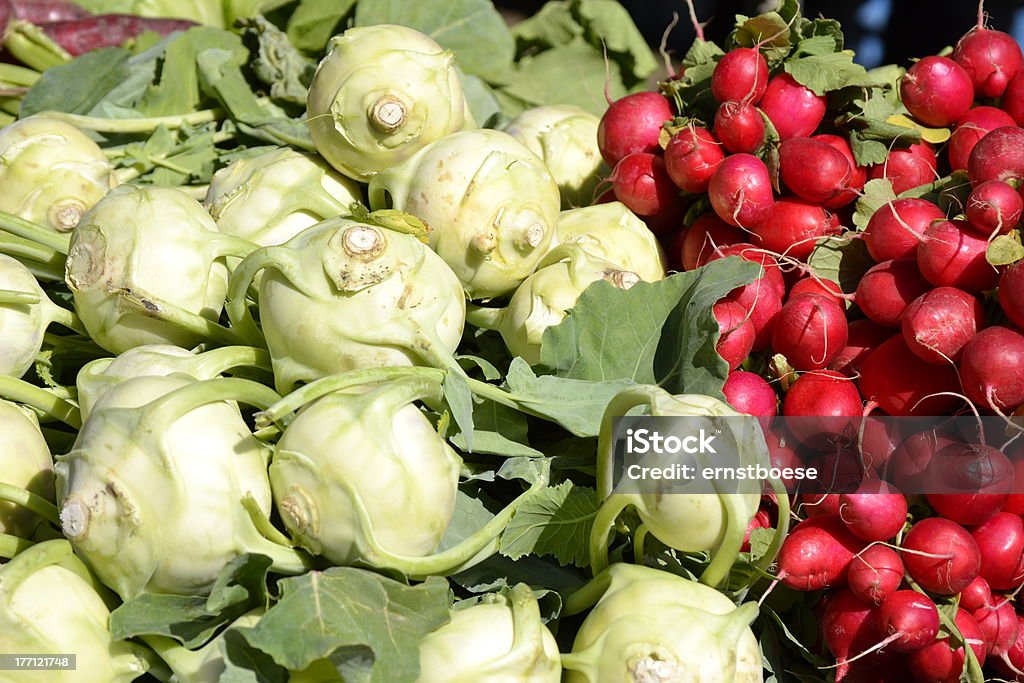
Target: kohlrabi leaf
pixel 193 620
pixel 483 103
pixel 78 86
pixel 498 572
pixel 245 664
pixel 276 62
pixel 498 430
pixel 607 23
pixel 314 22
pixel 556 522
pixel 460 403
pixel 554 24
pixel 372 625
pixel 469 517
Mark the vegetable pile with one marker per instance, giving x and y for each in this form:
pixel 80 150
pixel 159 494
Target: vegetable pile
pixel 318 320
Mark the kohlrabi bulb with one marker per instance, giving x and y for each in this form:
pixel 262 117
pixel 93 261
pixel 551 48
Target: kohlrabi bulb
pixel 491 204
pixel 565 137
pixel 25 462
pixel 270 198
pixel 147 266
pixel 345 295
pixel 51 173
pixel 48 606
pixel 382 93
pixel 498 640
pixel 364 468
pixel 614 233
pixel 650 625
pixel 151 495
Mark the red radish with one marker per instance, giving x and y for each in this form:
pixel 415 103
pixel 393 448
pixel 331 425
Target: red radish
pixel 1011 293
pixel 79 36
pixel 1000 625
pixel 908 168
pixel 771 273
pixel 816 554
pixel 976 595
pixel 1013 99
pixel 1014 656
pixel 1015 503
pixel 669 220
pixel 739 127
pixel 848 625
pixel 910 619
pixel 691 156
pixel 994 208
pixel 751 394
pixel 819 504
pixel 909 460
pixel 886 290
pixel 760 520
pixel 937 91
pixel 941 556
pixel 794 110
pixel 1001 541
pixel 839 467
pixel 998 156
pixel 813 169
pixel 953 255
pixel 878 441
pixel 642 184
pixel 897 228
pixel 992 368
pixel 990 58
pixel 939 662
pixel 968 483
pixel 858 174
pixel 782 453
pixel 902 384
pixel 706 234
pixel 741 190
pixel 40 11
pixel 864 336
pixel 939 323
pixel 827 288
pixel 762 302
pixel 876 511
pixel 633 124
pixel 736 332
pixel 971 128
pixel 741 75
pixel 810 331
pixel 875 573
pixel 792 227
pixel 821 405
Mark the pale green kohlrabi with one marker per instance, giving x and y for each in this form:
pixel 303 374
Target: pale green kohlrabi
pixel 491 204
pixel 382 93
pixel 49 605
pixel 147 266
pixel 346 295
pixel 51 173
pixel 614 233
pixel 498 640
pixel 565 137
pixel 98 376
pixel 270 198
pixel 25 313
pixel 26 472
pixel 165 485
pixel 545 297
pixel 652 626
pixel 694 515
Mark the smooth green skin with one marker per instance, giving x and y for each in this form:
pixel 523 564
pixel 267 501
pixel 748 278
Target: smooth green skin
pixel 614 233
pixel 371 444
pixel 156 247
pixel 499 640
pixel 565 137
pixel 22 325
pixel 491 204
pixel 48 605
pixel 25 462
pixel 365 64
pixel 51 172
pixel 270 198
pixel 151 493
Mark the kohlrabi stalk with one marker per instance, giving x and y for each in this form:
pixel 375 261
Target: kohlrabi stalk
pixel 650 626
pixel 48 605
pixel 51 173
pixel 565 137
pixel 382 93
pixel 166 484
pixel 98 376
pixel 26 473
pixel 691 521
pixel 270 198
pixel 545 297
pixel 614 233
pixel 501 639
pixel 345 295
pixel 25 313
pixel 147 266
pixel 491 204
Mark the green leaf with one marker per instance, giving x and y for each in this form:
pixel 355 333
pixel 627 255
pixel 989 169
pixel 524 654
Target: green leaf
pixel 877 193
pixel 314 22
pixel 692 91
pixel 816 45
pixel 843 259
pixel 472 28
pixel 276 62
pixel 78 86
pixel 1005 249
pixel 770 28
pixel 470 516
pixel 460 403
pixel 760 541
pixel 483 103
pixel 556 522
pixel 607 23
pixel 498 430
pixel 365 620
pixel 245 664
pixel 498 571
pixel 554 24
pixel 824 73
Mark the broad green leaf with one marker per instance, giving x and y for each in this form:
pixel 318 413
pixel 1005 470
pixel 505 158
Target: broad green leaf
pixel 770 29
pixel 554 24
pixel 1005 249
pixel 78 86
pixel 245 664
pixel 556 522
pixel 469 516
pixel 498 571
pixel 816 45
pixel 276 62
pixel 367 621
pixel 935 136
pixel 483 103
pixel 314 22
pixel 460 403
pixel 177 90
pixel 877 193
pixel 608 24
pixel 824 73
pixel 843 259
pixel 498 430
